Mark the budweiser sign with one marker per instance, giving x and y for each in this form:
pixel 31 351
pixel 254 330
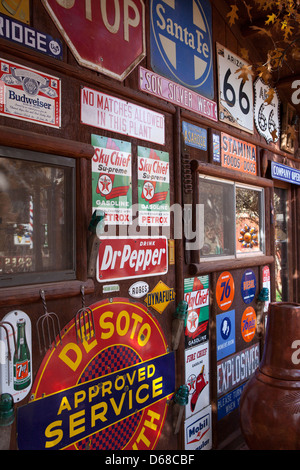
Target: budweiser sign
pixel 125 258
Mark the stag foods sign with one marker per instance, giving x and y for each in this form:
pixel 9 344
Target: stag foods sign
pixel 108 392
pixel 125 258
pixel 112 114
pixel 29 95
pixel 238 155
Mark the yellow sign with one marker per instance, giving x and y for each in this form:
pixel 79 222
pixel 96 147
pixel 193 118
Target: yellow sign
pixel 160 297
pixel 17 9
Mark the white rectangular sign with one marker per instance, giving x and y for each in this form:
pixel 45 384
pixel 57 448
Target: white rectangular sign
pixel 111 113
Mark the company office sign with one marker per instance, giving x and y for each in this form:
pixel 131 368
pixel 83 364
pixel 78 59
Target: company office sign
pixel 285 173
pixel 108 392
pixel 181 43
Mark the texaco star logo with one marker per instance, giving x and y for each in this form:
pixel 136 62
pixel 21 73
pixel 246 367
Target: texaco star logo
pixel 148 190
pixel 105 184
pixel 192 321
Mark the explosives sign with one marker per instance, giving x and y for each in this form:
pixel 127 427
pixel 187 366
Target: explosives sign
pixel 111 179
pixel 29 95
pixel 125 258
pixel 109 392
pixel 153 187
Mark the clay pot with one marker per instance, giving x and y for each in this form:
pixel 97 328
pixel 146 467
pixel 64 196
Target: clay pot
pixel 270 402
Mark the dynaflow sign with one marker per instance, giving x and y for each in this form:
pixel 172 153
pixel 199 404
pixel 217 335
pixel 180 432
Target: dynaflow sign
pixel 108 392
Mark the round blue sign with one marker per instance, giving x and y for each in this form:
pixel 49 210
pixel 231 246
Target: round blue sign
pixel 248 286
pixel 181 43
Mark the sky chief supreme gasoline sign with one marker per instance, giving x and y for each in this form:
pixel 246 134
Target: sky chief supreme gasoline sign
pixel 108 392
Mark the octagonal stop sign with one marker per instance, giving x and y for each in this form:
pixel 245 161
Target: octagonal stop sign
pixel 104 35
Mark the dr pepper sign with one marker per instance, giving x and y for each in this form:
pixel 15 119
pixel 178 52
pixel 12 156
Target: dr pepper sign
pixel 109 392
pixel 98 31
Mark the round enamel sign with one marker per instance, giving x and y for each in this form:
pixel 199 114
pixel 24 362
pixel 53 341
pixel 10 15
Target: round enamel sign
pixel 109 392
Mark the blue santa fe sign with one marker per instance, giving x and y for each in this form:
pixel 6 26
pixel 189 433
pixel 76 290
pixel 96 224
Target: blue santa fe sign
pixel 181 43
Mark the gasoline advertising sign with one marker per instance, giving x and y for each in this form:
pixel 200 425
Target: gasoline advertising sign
pixel 109 392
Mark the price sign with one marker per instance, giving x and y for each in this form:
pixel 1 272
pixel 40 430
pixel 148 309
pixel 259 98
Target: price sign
pixel 235 94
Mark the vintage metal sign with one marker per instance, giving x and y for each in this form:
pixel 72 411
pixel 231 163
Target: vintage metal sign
pixel 153 187
pixel 17 9
pixel 237 369
pixel 266 112
pixel 29 95
pixel 198 431
pixel 111 179
pixel 126 258
pixel 19 33
pixel 98 31
pixel 160 297
pixel 235 93
pixel 285 173
pixel 181 43
pixel 112 114
pixel 197 378
pixel 108 392
pixel 176 94
pixel 238 155
pixel 194 136
pixel 225 327
pixel 196 294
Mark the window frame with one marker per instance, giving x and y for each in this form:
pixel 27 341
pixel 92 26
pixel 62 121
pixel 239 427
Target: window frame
pixel 237 184
pixel 15 280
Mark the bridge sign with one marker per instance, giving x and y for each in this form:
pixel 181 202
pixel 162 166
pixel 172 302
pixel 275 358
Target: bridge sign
pixel 108 37
pixel 181 43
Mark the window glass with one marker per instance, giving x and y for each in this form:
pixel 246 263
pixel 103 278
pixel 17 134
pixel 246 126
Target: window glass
pixel 36 219
pixel 248 219
pixel 217 198
pixel 233 218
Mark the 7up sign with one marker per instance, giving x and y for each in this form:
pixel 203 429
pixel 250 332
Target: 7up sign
pixel 181 43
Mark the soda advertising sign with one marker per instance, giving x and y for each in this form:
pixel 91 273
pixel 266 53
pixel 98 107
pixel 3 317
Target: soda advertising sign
pixel 181 43
pixel 153 187
pixel 111 179
pixel 98 31
pixel 238 155
pixel 108 392
pixel 116 115
pixel 125 258
pixel 196 294
pixel 237 369
pixel 29 95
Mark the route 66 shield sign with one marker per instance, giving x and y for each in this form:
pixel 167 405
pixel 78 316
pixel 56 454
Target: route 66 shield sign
pixel 266 114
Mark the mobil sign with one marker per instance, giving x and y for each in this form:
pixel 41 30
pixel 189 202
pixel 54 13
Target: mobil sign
pixel 106 36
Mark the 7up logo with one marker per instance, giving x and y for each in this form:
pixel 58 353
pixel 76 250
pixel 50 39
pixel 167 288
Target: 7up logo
pixel 181 45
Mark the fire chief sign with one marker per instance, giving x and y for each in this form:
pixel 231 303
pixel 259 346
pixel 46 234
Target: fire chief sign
pixel 97 32
pixel 107 392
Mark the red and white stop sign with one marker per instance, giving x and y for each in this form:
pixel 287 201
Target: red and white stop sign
pixel 104 35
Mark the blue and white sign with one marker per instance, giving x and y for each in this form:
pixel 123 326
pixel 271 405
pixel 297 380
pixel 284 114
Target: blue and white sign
pixel 285 173
pixel 248 286
pixel 194 136
pixel 225 334
pixel 21 33
pixel 229 402
pixel 181 43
